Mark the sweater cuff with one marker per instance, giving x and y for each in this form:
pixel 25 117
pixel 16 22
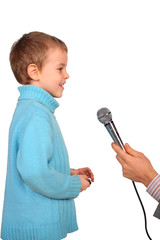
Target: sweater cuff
pixel 154 188
pixel 75 186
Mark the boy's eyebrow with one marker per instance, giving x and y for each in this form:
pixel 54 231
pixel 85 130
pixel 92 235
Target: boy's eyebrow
pixel 62 64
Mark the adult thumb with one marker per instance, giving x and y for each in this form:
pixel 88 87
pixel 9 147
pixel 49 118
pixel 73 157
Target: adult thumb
pixel 130 150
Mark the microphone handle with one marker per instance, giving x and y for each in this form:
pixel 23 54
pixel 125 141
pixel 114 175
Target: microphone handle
pixel 111 128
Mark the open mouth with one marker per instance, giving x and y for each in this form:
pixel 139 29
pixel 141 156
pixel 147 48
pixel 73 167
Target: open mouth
pixel 62 85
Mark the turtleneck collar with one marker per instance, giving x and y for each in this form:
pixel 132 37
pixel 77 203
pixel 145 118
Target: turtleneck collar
pixel 39 94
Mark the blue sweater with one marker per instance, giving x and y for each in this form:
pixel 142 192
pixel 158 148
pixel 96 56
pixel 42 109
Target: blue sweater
pixel 39 193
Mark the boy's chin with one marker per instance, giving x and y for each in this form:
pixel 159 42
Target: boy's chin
pixel 57 96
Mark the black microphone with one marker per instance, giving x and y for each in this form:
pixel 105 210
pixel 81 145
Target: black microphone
pixel 104 116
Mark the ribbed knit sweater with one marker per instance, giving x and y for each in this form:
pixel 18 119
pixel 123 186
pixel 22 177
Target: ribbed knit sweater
pixel 39 192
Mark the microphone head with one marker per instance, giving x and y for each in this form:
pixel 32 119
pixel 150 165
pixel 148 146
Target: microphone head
pixel 104 115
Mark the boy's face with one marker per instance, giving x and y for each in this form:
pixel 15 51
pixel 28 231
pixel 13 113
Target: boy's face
pixel 53 75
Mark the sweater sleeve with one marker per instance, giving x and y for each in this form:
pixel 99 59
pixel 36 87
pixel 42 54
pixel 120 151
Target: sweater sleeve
pixel 35 152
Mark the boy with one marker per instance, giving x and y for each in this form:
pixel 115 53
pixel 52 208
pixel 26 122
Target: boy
pixel 40 187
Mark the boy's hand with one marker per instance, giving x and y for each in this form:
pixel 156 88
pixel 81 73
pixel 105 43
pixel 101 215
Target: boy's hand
pixel 83 171
pixel 84 182
pixel 135 165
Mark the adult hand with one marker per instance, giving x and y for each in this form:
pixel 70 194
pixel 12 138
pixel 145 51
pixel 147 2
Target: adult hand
pixel 135 165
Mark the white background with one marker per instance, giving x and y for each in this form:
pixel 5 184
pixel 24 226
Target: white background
pixel 114 62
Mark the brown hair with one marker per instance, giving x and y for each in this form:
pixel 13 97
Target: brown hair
pixel 31 48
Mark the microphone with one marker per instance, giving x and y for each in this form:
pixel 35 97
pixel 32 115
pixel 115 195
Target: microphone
pixel 104 116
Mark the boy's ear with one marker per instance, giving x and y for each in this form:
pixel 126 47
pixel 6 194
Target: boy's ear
pixel 33 72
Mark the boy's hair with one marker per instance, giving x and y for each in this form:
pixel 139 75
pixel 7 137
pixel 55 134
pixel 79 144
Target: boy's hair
pixel 32 48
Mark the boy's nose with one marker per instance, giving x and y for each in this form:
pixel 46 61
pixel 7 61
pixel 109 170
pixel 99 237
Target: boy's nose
pixel 66 75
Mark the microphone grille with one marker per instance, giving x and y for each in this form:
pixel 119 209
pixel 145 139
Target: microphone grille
pixel 104 115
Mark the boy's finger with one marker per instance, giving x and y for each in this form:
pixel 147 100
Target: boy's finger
pixel 90 174
pixel 85 177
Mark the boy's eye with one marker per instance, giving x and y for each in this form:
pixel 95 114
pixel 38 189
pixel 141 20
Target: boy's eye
pixel 60 69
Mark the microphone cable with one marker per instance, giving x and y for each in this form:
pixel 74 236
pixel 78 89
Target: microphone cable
pixel 145 218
